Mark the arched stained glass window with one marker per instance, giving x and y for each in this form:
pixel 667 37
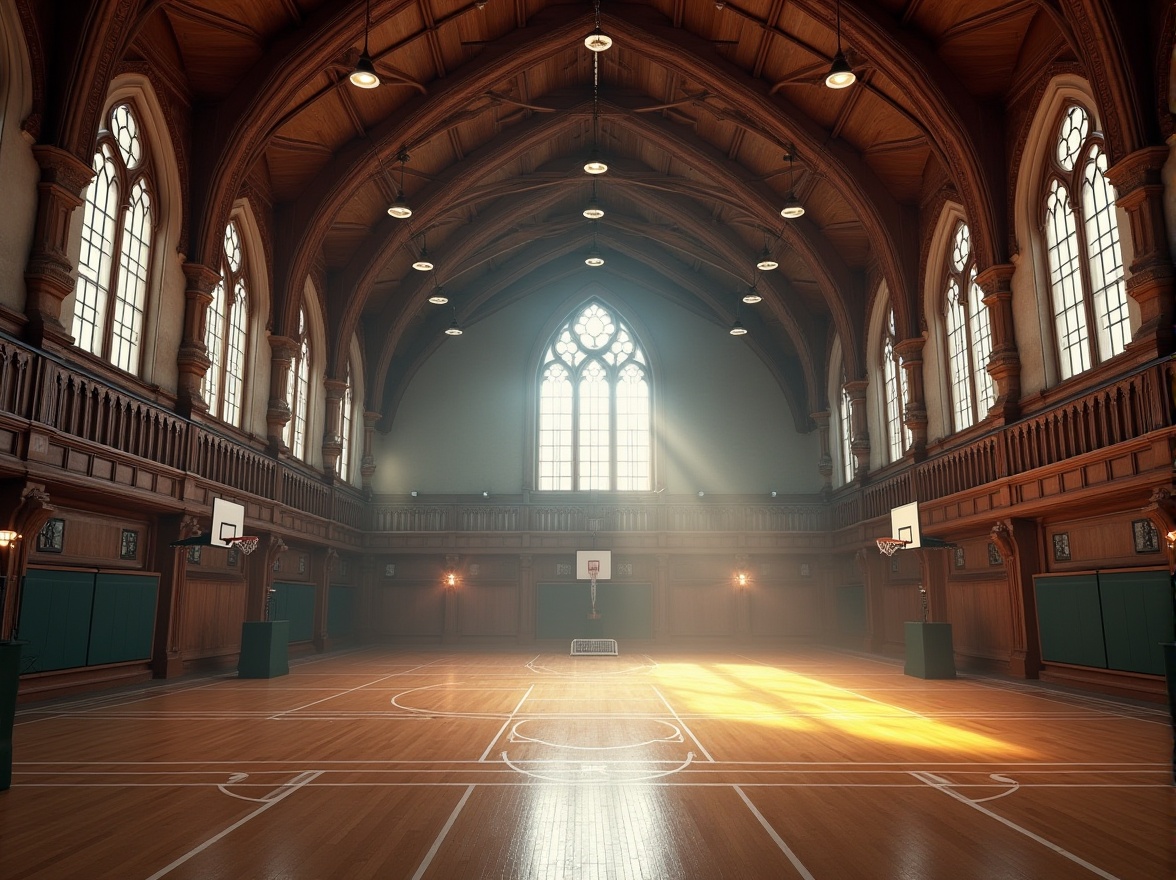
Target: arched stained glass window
pixel 228 333
pixel 969 335
pixel 118 226
pixel 1085 259
pixel 595 426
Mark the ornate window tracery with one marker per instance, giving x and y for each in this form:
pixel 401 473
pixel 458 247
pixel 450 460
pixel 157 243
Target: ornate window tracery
pixel 228 322
pixel 968 333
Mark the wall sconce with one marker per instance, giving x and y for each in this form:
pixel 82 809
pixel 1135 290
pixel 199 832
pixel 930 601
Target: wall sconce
pixel 450 580
pixel 7 538
pixel 742 579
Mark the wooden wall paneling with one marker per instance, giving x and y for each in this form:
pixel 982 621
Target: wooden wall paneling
pixel 784 610
pixel 91 538
pixel 410 609
pixel 702 609
pixel 1106 541
pixel 212 611
pixel 901 603
pixel 488 609
pixel 980 615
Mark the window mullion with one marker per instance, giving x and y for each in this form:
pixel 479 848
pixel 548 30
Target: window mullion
pixel 116 258
pixel 1078 192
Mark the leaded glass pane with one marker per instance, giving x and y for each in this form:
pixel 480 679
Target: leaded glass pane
pixel 1108 291
pixel 1066 282
pixel 843 409
pixel 633 425
pixel 345 429
pixel 235 354
pixel 233 247
pixel 961 248
pixel 131 298
pixel 981 336
pixel 555 429
pixel 594 427
pixel 957 354
pixel 125 129
pixel 594 327
pixel 1072 135
pixel 211 390
pixel 97 255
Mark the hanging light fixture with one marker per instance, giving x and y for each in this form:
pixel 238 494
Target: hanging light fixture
pixel 840 75
pixel 438 298
pixel 594 259
pixel 766 263
pixel 598 41
pixel 752 296
pixel 364 74
pixel 593 211
pixel 595 165
pixel 423 263
pixel 737 329
pixel 400 208
pixel 792 206
pixel 454 329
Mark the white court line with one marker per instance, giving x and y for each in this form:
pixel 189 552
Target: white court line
pixel 685 726
pixel 279 794
pixel 420 872
pixel 509 718
pixel 784 848
pixel 278 716
pixel 945 787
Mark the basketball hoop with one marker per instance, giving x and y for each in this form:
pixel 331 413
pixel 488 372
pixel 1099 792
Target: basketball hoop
pixel 888 546
pixel 245 543
pixel 593 571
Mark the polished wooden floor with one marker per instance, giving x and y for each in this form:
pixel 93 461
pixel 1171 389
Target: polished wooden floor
pixel 427 764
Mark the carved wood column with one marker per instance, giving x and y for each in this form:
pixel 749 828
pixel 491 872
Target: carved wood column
pixel 277 414
pixel 324 563
pixel 332 432
pixel 171 563
pixel 914 411
pixel 859 436
pixel 1017 540
pixel 1140 190
pixel 367 465
pixel 825 463
pixel 49 272
pixel 192 358
pixel 259 578
pixel 1004 364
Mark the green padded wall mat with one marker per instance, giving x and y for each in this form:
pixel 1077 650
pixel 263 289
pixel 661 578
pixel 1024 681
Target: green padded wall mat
pixel 1137 617
pixel 851 610
pixel 54 620
pixel 123 619
pixel 341 612
pixel 295 603
pixel 626 611
pixel 1069 618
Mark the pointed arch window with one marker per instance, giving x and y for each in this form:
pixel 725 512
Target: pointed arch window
pixel 894 386
pixel 595 426
pixel 345 428
pixel 298 390
pixel 969 335
pixel 118 225
pixel 228 323
pixel 1086 277
pixel 846 433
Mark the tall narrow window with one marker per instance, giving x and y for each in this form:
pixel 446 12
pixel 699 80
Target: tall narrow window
pixel 1083 250
pixel 345 422
pixel 895 393
pixel 115 260
pixel 969 335
pixel 298 391
pixel 846 431
pixel 227 334
pixel 595 427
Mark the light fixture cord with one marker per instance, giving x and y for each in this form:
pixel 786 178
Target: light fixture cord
pixel 838 27
pixel 367 24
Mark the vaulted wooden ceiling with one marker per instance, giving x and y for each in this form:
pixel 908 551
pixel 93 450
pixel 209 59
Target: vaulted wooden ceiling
pixel 698 106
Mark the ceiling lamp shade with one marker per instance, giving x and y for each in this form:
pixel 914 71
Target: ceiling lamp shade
pixel 423 263
pixel 595 165
pixel 438 298
pixel 400 208
pixel 792 208
pixel 594 211
pixel 453 329
pixel 598 41
pixel 752 296
pixel 364 74
pixel 766 263
pixel 840 75
pixel 594 258
pixel 737 329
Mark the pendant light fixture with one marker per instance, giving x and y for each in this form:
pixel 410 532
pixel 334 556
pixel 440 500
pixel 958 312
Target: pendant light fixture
pixel 840 75
pixel 598 41
pixel 423 263
pixel 595 165
pixel 593 211
pixel 792 206
pixel 438 298
pixel 752 296
pixel 766 262
pixel 737 329
pixel 594 259
pixel 400 208
pixel 364 74
pixel 454 329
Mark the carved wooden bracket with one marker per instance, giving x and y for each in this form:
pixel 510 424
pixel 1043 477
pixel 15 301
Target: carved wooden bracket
pixel 1002 537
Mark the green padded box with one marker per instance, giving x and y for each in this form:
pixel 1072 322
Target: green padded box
pixel 264 645
pixel 929 652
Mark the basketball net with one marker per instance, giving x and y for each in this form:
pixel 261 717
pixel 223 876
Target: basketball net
pixel 888 546
pixel 593 571
pixel 245 543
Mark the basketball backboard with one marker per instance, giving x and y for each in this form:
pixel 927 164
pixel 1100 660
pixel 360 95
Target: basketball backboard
pixel 228 521
pixel 904 525
pixel 604 557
